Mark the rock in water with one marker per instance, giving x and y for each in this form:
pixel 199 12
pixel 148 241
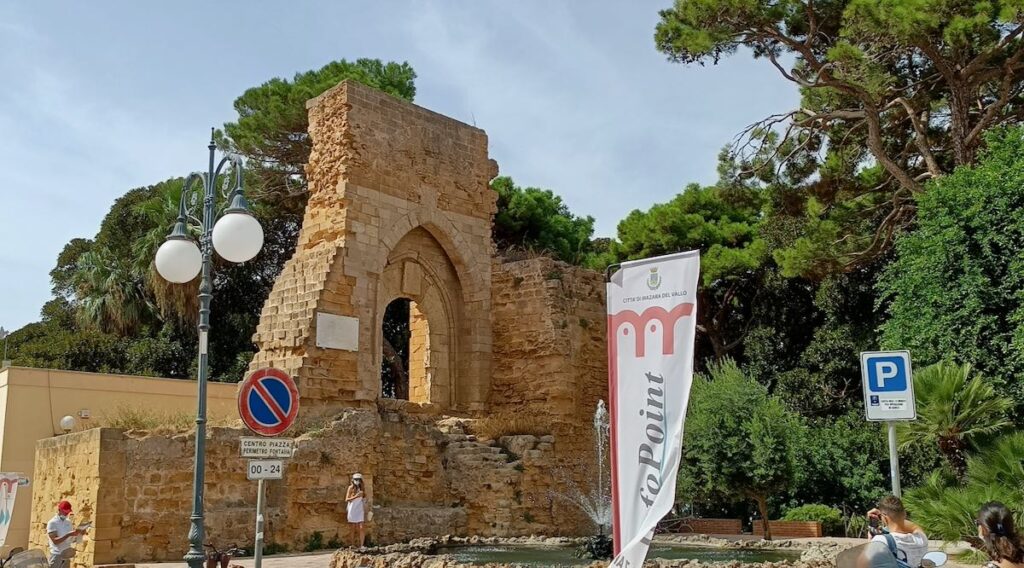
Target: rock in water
pixel 596 548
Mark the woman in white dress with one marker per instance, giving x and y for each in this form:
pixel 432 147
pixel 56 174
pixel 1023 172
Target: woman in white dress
pixel 355 499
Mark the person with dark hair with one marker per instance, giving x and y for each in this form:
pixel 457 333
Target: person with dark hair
pixel 998 533
pixel 905 540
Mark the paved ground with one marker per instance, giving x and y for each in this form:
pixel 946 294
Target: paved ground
pixel 311 560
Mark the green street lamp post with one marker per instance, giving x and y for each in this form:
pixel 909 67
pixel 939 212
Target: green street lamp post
pixel 237 237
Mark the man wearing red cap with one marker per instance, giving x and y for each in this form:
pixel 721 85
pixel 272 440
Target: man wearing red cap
pixel 61 534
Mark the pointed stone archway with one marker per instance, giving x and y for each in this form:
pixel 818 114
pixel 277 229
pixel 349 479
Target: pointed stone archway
pixel 418 269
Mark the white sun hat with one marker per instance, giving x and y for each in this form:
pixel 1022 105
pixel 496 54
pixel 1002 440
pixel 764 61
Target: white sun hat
pixel 357 476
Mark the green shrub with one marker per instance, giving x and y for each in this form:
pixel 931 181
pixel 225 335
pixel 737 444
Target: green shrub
pixel 831 519
pixel 335 542
pixel 315 542
pixel 945 508
pixel 972 557
pixel 856 526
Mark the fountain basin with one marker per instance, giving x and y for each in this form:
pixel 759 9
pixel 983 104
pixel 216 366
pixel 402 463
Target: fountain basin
pixel 532 555
pixel 529 552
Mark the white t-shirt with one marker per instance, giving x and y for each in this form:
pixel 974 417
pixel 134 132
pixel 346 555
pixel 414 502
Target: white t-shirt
pixel 61 527
pixel 914 545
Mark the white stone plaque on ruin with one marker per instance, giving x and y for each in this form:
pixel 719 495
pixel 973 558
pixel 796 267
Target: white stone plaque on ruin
pixel 337 332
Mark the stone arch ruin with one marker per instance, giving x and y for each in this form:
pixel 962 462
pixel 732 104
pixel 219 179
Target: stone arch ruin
pixel 399 206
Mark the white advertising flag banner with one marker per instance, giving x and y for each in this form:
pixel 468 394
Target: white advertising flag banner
pixel 652 315
pixel 8 491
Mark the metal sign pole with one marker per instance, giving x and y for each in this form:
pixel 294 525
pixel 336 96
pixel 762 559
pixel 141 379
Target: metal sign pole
pixel 258 556
pixel 894 461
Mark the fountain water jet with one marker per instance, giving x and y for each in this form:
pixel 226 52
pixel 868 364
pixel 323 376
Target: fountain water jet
pixel 594 501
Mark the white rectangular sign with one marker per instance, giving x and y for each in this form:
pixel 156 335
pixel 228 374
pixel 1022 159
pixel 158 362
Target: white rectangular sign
pixel 265 469
pixel 337 332
pixel 652 320
pixel 888 383
pixel 267 447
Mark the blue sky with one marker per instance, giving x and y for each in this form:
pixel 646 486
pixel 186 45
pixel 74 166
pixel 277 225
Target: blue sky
pixel 101 97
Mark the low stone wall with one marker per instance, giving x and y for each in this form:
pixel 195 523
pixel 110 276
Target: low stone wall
pixel 401 524
pixel 68 467
pixel 790 529
pixel 711 526
pixel 424 477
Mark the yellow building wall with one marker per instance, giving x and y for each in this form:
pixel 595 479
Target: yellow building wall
pixel 32 402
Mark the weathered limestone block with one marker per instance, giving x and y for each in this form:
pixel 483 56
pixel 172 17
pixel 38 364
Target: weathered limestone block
pixel 518 445
pixel 550 353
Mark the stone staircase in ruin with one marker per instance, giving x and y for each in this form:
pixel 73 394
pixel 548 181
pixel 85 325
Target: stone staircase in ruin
pixel 465 451
pixel 484 472
pixel 486 487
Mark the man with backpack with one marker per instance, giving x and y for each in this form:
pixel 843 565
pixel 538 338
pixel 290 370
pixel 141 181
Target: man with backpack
pixel 889 526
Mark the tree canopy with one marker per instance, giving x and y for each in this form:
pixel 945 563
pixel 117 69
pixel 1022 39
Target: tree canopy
pixel 272 126
pixel 953 289
pixel 536 219
pixel 722 222
pixel 906 88
pixel 740 443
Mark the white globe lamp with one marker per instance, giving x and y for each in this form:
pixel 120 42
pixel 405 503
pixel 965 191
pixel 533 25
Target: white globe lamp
pixel 67 424
pixel 238 236
pixel 178 260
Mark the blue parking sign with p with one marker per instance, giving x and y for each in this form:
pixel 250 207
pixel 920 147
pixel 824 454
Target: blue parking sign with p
pixel 888 385
pixel 886 374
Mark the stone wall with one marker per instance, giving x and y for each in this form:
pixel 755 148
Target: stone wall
pixel 425 477
pixel 68 467
pixel 137 492
pixel 550 353
pixel 550 362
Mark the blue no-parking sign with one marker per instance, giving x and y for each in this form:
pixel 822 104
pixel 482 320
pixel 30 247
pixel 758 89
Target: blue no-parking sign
pixel 888 385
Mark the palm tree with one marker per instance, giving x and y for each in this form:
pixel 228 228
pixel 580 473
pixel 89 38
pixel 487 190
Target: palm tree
pixel 175 301
pixel 1001 465
pixel 954 410
pixel 110 295
pixel 995 474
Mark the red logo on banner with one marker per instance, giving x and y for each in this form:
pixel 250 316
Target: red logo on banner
pixel 667 319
